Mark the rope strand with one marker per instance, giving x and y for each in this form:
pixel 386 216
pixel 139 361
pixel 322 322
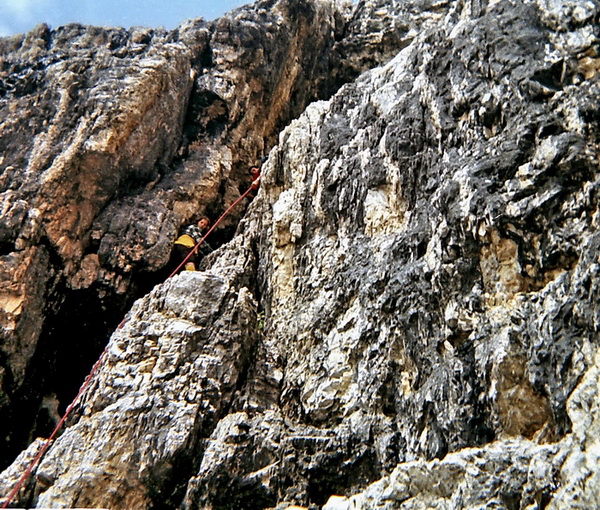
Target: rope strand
pixel 49 441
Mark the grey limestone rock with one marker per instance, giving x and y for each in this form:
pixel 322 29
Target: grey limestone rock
pixel 508 473
pixel 407 315
pixel 111 140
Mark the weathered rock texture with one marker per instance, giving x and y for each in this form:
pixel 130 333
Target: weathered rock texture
pixel 412 297
pixel 113 139
pixel 508 473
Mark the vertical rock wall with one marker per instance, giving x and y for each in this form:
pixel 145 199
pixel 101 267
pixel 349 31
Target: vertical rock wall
pixel 407 316
pixel 111 140
pixel 82 123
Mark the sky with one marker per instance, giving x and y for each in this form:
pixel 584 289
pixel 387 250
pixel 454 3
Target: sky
pixel 18 16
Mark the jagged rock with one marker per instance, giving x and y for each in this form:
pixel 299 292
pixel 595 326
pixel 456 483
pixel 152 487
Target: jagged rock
pixel 429 247
pixel 408 314
pixel 511 473
pixel 111 140
pixel 171 371
pixel 10 477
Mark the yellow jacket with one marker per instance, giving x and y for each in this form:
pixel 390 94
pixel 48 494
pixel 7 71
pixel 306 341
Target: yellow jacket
pixel 186 241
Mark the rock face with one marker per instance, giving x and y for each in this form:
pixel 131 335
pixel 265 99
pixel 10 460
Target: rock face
pixel 111 141
pixel 407 316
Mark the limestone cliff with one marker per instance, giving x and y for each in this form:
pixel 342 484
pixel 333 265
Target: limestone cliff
pixel 113 139
pixel 407 315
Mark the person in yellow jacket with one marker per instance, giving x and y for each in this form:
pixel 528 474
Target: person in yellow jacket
pixel 189 238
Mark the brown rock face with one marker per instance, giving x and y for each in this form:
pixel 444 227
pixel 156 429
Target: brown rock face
pixel 81 125
pixel 407 315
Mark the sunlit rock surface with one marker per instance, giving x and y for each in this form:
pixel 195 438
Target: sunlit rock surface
pixel 110 141
pixel 407 316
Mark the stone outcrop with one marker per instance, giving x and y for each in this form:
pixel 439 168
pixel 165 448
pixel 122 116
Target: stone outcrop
pixel 407 316
pixel 508 473
pixel 113 139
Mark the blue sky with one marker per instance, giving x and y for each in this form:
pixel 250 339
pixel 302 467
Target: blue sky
pixel 17 16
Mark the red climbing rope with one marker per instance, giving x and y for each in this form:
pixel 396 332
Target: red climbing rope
pixel 96 366
pixel 46 446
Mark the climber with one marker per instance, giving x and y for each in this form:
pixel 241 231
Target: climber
pixel 185 243
pixel 255 172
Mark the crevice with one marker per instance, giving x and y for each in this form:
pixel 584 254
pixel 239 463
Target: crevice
pixel 207 116
pixel 6 248
pixel 74 339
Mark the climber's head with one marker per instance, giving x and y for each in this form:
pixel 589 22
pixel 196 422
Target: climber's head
pixel 203 223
